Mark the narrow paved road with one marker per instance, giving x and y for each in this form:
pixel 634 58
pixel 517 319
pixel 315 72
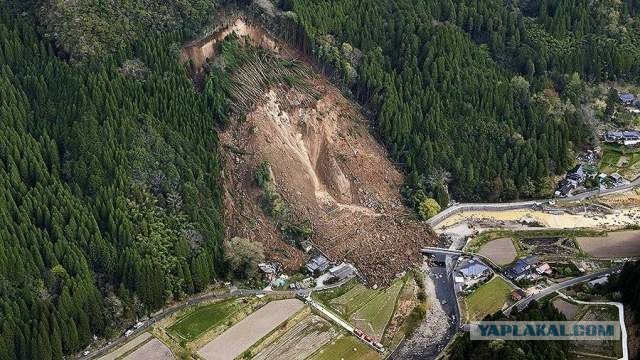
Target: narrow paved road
pixel 522 304
pixel 195 300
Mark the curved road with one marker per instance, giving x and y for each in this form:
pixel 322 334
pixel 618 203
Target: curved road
pixel 450 211
pixel 522 304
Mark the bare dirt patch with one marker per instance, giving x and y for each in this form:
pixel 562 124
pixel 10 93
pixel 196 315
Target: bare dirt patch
pixel 332 173
pixel 152 350
pixel 240 337
pixel 301 341
pixel 614 245
pixel 568 309
pixel 500 251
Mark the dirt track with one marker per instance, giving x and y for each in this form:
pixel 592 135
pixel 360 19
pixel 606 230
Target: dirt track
pixel 240 337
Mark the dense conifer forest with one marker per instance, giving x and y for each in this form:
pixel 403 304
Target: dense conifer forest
pixel 110 190
pixel 453 84
pixel 110 201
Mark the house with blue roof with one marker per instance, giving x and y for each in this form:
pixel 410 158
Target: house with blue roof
pixel 626 98
pixel 522 268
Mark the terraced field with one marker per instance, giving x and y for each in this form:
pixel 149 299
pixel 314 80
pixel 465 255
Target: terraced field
pixel 346 347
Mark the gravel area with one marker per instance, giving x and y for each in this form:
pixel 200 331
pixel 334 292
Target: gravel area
pixel 432 335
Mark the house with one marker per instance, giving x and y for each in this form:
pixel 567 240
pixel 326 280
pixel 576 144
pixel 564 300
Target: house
pixel 521 268
pixel 564 188
pixel 517 295
pixel 544 269
pixel 318 263
pixel 577 174
pixel 626 98
pixel 268 269
pixel 599 281
pixel 341 271
pixel 617 179
pixel 626 137
pixel 473 270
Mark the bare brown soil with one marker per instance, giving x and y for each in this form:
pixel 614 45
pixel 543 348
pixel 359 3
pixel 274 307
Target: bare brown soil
pixel 152 350
pixel 500 251
pixel 202 50
pixel 614 245
pixel 233 342
pixel 331 172
pixel 568 309
pixel 328 168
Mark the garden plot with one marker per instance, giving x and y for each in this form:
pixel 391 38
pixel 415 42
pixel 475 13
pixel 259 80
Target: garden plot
pixel 613 245
pixel 500 251
pixel 374 316
pixel 299 342
pixel 566 308
pixel 241 336
pixel 553 245
pixel 599 348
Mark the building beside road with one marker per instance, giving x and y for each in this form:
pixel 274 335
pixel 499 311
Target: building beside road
pixel 522 268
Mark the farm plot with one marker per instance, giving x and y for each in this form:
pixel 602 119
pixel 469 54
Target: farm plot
pixel 206 317
pixel 488 298
pixel 300 341
pixel 599 348
pixel 566 308
pixel 346 347
pixel 374 316
pixel 500 251
pixel 152 350
pixel 552 245
pixel 241 336
pixel 352 300
pixel 613 245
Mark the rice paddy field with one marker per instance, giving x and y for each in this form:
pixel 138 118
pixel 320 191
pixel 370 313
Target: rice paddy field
pixel 204 318
pixel 346 347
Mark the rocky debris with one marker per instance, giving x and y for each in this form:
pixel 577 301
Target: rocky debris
pixel 433 333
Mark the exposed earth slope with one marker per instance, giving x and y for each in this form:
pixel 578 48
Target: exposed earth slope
pixel 329 171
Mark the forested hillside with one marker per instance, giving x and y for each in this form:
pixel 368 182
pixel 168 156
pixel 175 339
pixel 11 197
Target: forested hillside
pixel 462 89
pixel 110 201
